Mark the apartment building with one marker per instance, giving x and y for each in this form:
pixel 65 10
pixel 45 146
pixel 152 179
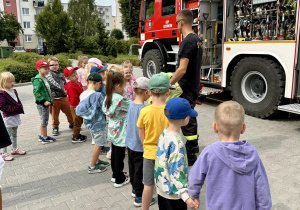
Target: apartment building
pixel 106 16
pixel 26 12
pixel 114 23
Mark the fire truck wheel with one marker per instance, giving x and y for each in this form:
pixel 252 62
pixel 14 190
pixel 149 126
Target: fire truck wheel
pixel 152 63
pixel 257 83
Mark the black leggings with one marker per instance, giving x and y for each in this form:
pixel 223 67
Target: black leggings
pixel 117 163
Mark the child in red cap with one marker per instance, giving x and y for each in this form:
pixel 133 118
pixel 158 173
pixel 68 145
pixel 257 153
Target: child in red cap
pixel 42 94
pixel 74 89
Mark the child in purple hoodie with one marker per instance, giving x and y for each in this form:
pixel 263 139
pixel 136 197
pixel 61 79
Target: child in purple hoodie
pixel 234 173
pixel 11 108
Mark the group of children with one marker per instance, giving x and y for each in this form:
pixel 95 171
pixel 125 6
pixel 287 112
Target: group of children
pixel 235 175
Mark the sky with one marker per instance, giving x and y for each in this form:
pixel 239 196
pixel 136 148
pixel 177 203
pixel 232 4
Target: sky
pixel 104 3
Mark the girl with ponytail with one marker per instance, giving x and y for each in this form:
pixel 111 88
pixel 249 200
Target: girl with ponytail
pixel 115 106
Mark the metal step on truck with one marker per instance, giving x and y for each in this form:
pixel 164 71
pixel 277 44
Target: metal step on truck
pixel 250 48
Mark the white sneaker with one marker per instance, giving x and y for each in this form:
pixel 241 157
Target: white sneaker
pixel 113 180
pixel 108 155
pixel 127 179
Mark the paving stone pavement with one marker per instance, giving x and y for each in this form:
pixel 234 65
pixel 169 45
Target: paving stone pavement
pixel 54 176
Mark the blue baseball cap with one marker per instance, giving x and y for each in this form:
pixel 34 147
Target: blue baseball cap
pixel 179 108
pixel 97 69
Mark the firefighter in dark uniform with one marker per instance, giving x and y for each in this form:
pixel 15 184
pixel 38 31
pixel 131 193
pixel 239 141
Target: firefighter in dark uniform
pixel 188 76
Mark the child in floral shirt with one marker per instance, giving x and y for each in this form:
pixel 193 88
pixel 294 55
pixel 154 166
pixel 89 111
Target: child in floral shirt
pixel 171 165
pixel 115 106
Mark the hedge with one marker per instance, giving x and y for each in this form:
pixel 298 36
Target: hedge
pixel 22 72
pixel 22 65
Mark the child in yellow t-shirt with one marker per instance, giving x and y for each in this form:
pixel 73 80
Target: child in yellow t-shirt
pixel 151 123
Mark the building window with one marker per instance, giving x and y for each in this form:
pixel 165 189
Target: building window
pixel 8 3
pixel 106 10
pixel 101 9
pixel 28 38
pixel 107 24
pixel 107 17
pixel 25 11
pixel 25 0
pixel 26 24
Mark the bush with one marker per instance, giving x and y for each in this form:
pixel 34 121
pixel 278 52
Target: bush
pixel 22 72
pixel 111 47
pixel 123 47
pixel 30 58
pixel 90 45
pixel 117 33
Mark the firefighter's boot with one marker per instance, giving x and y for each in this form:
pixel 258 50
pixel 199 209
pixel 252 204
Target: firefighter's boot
pixel 192 150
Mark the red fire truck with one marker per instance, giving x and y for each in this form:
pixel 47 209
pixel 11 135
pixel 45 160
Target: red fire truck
pixel 250 48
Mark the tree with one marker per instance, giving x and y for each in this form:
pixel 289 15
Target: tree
pixel 83 13
pixel 53 24
pixel 74 39
pixel 111 47
pixel 101 36
pixel 117 33
pixel 130 26
pixel 9 27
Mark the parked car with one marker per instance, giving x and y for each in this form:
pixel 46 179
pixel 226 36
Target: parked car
pixel 19 49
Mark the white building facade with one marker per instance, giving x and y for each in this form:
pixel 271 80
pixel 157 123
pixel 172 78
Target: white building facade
pixel 106 16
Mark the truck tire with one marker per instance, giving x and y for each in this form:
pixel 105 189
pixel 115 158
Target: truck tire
pixel 257 83
pixel 152 63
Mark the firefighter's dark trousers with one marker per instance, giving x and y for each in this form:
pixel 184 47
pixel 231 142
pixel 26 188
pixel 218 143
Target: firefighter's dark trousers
pixel 190 130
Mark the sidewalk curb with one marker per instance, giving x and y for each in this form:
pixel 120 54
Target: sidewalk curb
pixel 23 84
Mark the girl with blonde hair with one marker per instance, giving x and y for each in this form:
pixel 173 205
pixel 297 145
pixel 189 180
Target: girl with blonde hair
pixel 11 108
pixel 82 61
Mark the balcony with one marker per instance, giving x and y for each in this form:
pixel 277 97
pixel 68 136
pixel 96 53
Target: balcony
pixel 101 12
pixel 38 3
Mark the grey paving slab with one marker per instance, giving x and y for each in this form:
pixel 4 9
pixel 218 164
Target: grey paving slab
pixel 55 176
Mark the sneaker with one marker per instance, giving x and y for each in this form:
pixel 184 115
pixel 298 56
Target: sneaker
pixel 82 137
pixel 77 140
pixel 45 141
pixel 138 201
pixel 55 131
pixel 105 150
pixel 102 163
pixel 113 180
pixel 40 138
pixel 7 157
pixel 133 193
pixel 127 179
pixel 17 151
pixel 97 169
pixel 51 139
pixel 93 142
pixel 71 126
pixel 108 156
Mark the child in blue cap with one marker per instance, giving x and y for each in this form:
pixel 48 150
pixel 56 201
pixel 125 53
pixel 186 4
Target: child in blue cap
pixel 171 163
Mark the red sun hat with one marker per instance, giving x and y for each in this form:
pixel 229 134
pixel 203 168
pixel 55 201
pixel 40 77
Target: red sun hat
pixel 41 63
pixel 69 70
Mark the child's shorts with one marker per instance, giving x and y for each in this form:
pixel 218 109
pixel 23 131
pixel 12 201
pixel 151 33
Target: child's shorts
pixel 148 172
pixel 99 137
pixel 44 114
